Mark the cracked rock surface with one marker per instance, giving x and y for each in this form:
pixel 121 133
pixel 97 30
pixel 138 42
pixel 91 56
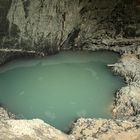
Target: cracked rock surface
pixel 127 100
pixel 102 129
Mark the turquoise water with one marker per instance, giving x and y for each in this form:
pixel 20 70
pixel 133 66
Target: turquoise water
pixel 60 88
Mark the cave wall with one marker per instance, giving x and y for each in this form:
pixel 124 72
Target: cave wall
pixel 4 24
pixel 47 25
pixel 137 15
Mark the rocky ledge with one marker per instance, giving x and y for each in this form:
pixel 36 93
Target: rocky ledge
pixel 29 130
pixel 125 124
pixel 127 101
pixel 102 129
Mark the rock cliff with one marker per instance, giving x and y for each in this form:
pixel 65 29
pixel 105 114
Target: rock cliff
pixel 46 25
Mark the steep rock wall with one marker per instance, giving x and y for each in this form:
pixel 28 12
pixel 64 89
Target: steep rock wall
pixel 47 25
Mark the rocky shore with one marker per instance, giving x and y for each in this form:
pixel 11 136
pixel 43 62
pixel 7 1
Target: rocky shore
pixel 36 28
pixel 127 100
pixel 124 125
pixel 102 129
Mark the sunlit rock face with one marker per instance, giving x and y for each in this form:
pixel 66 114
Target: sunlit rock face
pixel 49 25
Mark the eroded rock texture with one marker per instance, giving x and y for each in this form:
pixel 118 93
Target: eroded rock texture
pixel 127 102
pixel 50 25
pixel 29 130
pixel 102 129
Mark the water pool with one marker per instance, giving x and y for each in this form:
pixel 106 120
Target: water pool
pixel 60 88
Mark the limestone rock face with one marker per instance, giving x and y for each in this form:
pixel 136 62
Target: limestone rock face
pixel 50 25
